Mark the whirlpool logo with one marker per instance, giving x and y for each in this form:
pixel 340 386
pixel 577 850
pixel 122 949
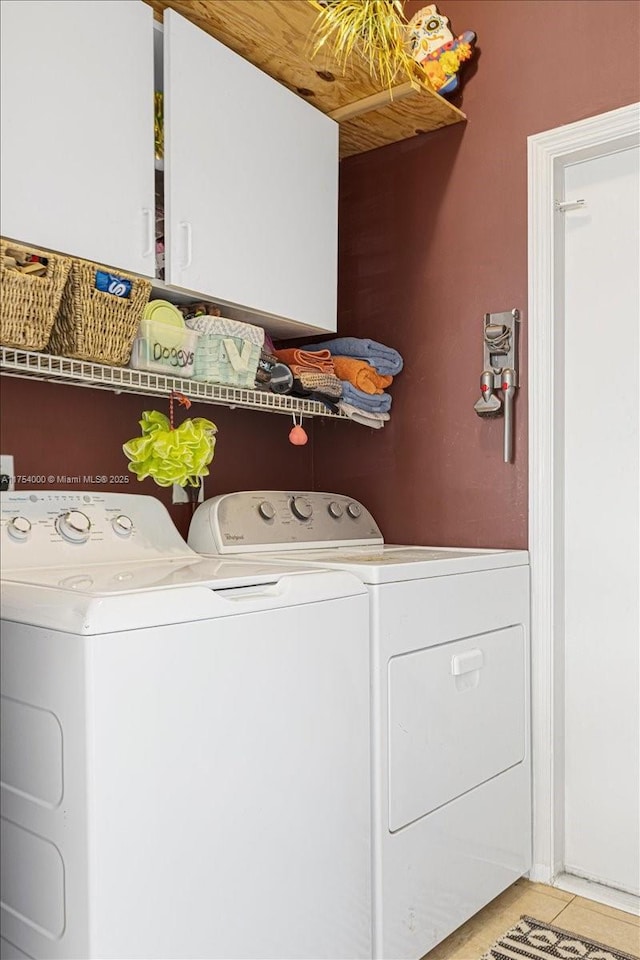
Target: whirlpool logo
pixel 234 536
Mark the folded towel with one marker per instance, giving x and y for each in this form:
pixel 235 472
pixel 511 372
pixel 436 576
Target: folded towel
pixel 324 383
pixel 378 403
pixel 361 374
pixel 375 420
pixel 297 369
pixel 297 390
pixel 316 360
pixel 386 360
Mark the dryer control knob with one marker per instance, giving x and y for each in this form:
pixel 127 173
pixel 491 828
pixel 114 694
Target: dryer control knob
pixel 122 525
pixel 267 510
pixel 301 508
pixel 19 529
pixel 335 510
pixel 354 510
pixel 74 526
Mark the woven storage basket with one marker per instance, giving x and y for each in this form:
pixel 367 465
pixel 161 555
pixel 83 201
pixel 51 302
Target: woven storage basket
pixel 28 304
pixel 95 325
pixel 228 351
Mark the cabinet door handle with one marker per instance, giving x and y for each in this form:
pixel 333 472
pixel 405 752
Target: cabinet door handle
pixel 188 246
pixel 149 231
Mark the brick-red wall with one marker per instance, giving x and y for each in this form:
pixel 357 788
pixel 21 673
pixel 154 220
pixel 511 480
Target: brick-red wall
pixel 72 431
pixel 433 235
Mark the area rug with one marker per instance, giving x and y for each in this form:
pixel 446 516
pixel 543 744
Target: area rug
pixel 532 940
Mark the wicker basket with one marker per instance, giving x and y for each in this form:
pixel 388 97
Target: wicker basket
pixel 228 351
pixel 95 325
pixel 28 304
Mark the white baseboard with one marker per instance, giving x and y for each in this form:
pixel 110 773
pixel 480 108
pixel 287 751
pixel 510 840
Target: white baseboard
pixel 540 873
pixel 598 892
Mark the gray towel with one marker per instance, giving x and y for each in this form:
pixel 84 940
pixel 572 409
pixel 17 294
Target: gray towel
pixel 367 402
pixel 374 420
pixel 384 359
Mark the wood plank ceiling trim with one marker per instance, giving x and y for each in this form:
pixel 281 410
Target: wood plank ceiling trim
pixel 274 36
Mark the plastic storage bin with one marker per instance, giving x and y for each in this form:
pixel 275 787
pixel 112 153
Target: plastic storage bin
pixel 228 351
pixel 162 348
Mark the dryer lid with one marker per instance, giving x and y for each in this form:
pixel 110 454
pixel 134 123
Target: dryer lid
pixel 391 563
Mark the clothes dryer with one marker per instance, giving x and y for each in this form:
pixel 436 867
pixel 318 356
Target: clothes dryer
pixel 450 702
pixel 185 743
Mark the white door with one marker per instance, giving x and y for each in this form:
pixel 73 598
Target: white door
pixel 251 179
pixel 602 483
pixel 77 129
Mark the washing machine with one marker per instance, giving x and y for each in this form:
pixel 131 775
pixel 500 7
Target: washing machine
pixel 185 743
pixel 450 722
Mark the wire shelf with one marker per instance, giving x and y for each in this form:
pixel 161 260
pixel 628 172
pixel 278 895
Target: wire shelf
pixel 97 376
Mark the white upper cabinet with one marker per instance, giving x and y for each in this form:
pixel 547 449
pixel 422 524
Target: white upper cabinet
pixel 251 184
pixel 250 170
pixel 77 170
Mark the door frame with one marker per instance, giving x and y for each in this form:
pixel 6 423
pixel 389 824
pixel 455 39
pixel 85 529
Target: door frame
pixel 548 154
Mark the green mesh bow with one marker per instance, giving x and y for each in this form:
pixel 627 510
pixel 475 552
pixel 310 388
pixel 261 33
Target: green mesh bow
pixel 181 455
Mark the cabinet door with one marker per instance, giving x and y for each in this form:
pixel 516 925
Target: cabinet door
pixel 77 128
pixel 251 179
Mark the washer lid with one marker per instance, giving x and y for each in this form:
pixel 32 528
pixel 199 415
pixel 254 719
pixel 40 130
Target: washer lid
pixel 128 596
pixel 392 563
pixel 119 579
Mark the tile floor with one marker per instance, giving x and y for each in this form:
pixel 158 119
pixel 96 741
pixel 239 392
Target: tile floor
pixel 604 924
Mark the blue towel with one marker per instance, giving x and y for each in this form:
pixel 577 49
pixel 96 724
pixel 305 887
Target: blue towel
pixel 385 360
pixel 367 402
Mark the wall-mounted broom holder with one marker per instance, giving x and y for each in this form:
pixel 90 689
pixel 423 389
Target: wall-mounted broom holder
pixel 500 373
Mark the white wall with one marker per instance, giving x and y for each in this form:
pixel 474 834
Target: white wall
pixel 602 483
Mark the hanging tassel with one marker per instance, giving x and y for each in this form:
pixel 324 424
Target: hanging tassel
pixel 182 400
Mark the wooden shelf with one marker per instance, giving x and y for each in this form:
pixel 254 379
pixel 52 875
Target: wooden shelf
pixel 274 35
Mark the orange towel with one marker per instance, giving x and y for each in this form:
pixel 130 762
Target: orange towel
pixel 318 360
pixel 361 374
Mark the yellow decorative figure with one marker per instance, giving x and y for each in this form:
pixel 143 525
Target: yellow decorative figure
pixel 435 48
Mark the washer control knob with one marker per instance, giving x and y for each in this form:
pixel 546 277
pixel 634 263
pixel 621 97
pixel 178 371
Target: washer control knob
pixel 74 526
pixel 19 529
pixel 354 510
pixel 267 510
pixel 335 510
pixel 301 508
pixel 122 525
